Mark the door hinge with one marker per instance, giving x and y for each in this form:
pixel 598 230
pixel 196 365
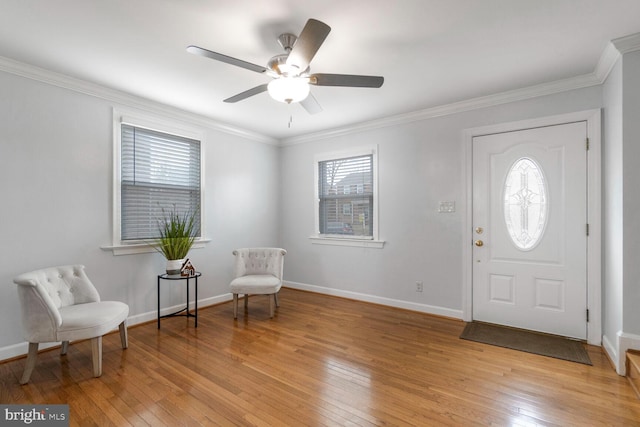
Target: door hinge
pixel 587 144
pixel 587 315
pixel 587 229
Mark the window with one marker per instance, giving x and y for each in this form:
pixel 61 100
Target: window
pixel 346 198
pixel 158 169
pixel 346 209
pixel 160 172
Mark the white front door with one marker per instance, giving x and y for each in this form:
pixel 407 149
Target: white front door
pixel 530 229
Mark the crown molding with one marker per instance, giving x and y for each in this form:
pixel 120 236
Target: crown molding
pixel 627 44
pixel 529 92
pixel 112 95
pixel 608 58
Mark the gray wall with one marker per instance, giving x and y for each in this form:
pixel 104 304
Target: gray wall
pixel 56 149
pixel 420 164
pixel 621 204
pixel 631 195
pixel 612 202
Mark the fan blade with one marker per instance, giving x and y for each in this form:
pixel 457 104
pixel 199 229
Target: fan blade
pixel 227 59
pixel 308 43
pixel 310 103
pixel 247 93
pixel 348 80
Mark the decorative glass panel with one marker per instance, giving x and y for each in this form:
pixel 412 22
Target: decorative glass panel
pixel 525 203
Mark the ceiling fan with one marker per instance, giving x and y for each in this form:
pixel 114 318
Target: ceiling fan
pixel 290 71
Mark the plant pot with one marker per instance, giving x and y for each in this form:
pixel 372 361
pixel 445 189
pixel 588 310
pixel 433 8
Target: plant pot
pixel 174 266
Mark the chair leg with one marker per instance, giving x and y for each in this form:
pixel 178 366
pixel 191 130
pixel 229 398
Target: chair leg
pixel 64 348
pixel 235 306
pixel 246 301
pixel 32 357
pixel 272 301
pixel 96 355
pixel 124 338
pixel 276 298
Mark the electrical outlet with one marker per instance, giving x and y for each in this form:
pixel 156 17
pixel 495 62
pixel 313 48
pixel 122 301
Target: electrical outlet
pixel 418 286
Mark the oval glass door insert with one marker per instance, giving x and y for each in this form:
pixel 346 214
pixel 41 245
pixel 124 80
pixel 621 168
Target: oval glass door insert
pixel 525 203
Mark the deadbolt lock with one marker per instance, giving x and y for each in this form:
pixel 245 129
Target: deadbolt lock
pixel 479 243
pixel 479 230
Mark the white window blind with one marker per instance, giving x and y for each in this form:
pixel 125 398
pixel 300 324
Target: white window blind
pixel 160 172
pixel 345 190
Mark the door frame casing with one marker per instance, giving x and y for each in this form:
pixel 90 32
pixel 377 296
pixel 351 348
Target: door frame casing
pixel 593 119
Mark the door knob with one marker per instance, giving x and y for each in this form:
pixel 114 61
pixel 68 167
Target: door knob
pixel 478 243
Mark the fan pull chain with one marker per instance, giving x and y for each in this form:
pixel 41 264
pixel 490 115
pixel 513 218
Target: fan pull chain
pixel 290 110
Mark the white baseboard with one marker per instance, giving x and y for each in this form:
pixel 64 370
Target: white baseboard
pixel 626 342
pixel 617 351
pixel 612 351
pixel 407 305
pixel 21 349
pixel 153 315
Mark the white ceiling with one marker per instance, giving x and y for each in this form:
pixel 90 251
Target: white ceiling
pixel 430 52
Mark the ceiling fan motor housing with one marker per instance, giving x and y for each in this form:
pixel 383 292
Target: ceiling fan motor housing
pixel 278 63
pixel 287 40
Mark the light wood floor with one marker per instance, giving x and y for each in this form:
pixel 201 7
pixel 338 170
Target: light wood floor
pixel 320 361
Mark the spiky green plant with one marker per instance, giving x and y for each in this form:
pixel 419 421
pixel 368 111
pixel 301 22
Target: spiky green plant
pixel 177 233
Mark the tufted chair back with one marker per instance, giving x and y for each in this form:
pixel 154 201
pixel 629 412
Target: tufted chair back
pixel 257 271
pixel 44 292
pixel 60 304
pixel 251 261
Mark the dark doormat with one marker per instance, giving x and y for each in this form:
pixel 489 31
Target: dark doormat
pixel 531 342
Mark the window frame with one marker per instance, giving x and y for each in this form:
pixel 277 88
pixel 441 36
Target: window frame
pixel 155 123
pixel 372 241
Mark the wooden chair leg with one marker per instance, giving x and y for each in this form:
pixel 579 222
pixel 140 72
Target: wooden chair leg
pixel 64 348
pixel 246 301
pixel 96 355
pixel 124 338
pixel 32 357
pixel 276 298
pixel 235 306
pixel 271 304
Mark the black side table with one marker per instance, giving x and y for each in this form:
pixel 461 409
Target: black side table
pixel 186 313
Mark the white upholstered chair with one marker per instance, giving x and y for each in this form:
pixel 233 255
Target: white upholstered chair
pixel 257 271
pixel 60 304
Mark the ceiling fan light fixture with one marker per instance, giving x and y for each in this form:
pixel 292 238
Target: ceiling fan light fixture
pixel 291 78
pixel 289 89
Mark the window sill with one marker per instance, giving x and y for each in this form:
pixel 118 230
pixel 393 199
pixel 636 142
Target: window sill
pixel 141 248
pixel 346 241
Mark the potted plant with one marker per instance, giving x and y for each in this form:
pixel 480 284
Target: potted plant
pixel 177 234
